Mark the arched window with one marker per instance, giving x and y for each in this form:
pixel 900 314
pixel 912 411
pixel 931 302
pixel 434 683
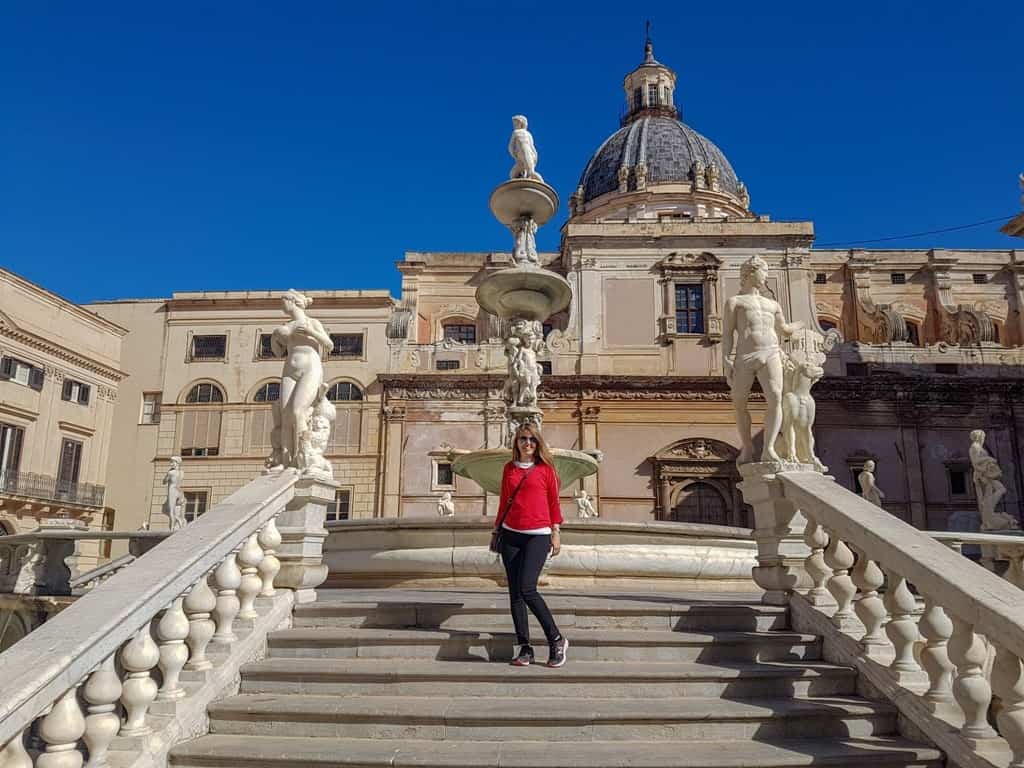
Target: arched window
pixel 343 391
pixel 268 393
pixel 205 393
pixel 200 427
pixel 701 502
pixel 459 330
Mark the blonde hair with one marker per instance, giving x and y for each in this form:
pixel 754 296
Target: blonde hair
pixel 543 453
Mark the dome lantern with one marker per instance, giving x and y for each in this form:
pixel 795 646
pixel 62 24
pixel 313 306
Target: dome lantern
pixel 650 88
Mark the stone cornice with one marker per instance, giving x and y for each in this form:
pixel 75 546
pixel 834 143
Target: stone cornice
pixel 60 352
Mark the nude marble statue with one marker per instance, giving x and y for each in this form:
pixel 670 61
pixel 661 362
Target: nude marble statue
pixel 525 250
pixel 988 486
pixel 868 487
pixel 174 504
pixel 445 505
pixel 521 147
pixel 585 505
pixel 756 321
pixel 304 343
pixel 521 349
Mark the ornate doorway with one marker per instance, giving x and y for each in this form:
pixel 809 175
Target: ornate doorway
pixel 695 482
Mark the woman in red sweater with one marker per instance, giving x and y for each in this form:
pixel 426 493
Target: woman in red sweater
pixel 531 517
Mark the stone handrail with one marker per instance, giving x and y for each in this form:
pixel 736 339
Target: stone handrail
pixel 96 576
pixel 159 614
pixel 995 548
pixel 855 564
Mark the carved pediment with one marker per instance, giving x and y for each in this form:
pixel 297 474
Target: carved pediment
pixel 683 262
pixel 698 449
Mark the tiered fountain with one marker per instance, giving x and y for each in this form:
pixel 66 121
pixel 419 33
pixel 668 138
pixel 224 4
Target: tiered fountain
pixel 523 296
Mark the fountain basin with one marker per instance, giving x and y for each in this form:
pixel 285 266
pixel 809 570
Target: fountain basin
pixel 528 292
pixel 517 198
pixel 485 467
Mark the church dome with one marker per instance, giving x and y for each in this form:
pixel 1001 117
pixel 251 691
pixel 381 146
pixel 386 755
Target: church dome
pixel 669 149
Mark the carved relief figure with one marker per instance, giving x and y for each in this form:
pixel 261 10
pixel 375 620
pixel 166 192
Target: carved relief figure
pixel 757 322
pixel 988 486
pixel 445 505
pixel 585 505
pixel 303 342
pixel 174 504
pixel 521 349
pixel 315 435
pixel 798 411
pixel 521 147
pixel 868 487
pixel 525 250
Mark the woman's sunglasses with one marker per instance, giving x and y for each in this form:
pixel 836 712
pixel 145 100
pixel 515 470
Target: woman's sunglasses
pixel 526 439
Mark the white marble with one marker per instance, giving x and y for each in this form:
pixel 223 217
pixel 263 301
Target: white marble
pixel 988 486
pixel 302 415
pixel 585 508
pixel 521 348
pixel 868 487
pixel 524 230
pixel 798 410
pixel 756 321
pixel 445 505
pixel 174 504
pixel 523 151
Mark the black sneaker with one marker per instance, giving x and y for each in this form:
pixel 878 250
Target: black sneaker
pixel 558 650
pixel 525 657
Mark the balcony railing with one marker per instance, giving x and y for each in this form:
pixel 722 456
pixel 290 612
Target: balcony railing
pixel 47 488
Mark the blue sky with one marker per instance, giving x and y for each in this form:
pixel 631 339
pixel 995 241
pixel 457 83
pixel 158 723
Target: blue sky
pixel 147 148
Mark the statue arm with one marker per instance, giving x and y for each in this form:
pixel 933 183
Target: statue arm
pixel 728 329
pixel 318 332
pixel 782 327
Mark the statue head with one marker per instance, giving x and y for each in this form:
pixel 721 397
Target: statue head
pixel 582 494
pixel 293 300
pixel 519 122
pixel 753 272
pixel 869 465
pixel 175 462
pixel 978 436
pixel 446 496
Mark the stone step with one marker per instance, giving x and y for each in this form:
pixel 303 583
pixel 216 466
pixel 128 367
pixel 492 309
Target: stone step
pixel 549 718
pixel 217 751
pixel 422 677
pixel 483 612
pixel 586 644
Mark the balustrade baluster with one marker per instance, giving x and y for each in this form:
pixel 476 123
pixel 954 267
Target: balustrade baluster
pixel 816 540
pixel 138 657
pixel 61 729
pixel 199 605
pixel 839 558
pixel 935 627
pixel 171 632
pixel 1008 682
pixel 870 608
pixel 270 566
pixel 902 630
pixel 970 688
pixel 14 754
pixel 101 692
pixel 249 557
pixel 227 578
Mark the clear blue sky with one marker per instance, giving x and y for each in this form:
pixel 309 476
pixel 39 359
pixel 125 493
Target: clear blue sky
pixel 147 148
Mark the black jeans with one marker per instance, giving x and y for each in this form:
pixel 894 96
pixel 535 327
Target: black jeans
pixel 523 555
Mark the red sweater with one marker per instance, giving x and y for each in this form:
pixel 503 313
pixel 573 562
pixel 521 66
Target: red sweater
pixel 536 505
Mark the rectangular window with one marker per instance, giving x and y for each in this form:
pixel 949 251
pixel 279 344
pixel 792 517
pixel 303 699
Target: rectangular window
pixel 689 308
pixel 447 365
pixel 980 278
pixel 150 408
pixel 898 278
pixel 195 504
pixel 947 369
pixel 957 482
pixel 75 392
pixel 914 334
pixel 820 278
pixel 445 475
pixel 856 480
pixel 347 345
pixel 339 508
pixel 13 369
pixel 856 369
pixel 638 98
pixel 200 433
pixel 10 452
pixel 461 332
pixel 209 347
pixel 545 367
pixel 652 94
pixel 70 463
pixel 265 350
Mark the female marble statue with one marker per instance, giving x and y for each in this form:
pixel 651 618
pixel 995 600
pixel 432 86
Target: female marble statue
pixel 304 343
pixel 174 504
pixel 868 487
pixel 988 485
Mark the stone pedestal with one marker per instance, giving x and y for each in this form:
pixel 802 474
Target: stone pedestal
pixel 778 531
pixel 302 538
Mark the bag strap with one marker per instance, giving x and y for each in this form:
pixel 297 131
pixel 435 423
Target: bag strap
pixel 508 507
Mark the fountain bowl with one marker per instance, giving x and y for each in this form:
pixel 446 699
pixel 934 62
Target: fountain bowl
pixel 517 198
pixel 485 467
pixel 528 292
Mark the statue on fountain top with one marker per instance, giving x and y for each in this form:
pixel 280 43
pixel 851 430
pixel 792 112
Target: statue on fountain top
pixel 521 147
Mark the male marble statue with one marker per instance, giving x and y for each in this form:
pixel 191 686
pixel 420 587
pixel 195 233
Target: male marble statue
pixel 521 147
pixel 868 487
pixel 988 486
pixel 584 505
pixel 757 323
pixel 174 504
pixel 445 505
pixel 303 342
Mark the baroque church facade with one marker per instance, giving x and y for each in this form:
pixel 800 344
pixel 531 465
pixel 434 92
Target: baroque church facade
pixel 924 346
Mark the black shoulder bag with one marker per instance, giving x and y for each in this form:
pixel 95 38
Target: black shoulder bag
pixel 496 534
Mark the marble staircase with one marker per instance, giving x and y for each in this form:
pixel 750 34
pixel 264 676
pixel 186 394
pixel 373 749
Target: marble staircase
pixel 420 678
